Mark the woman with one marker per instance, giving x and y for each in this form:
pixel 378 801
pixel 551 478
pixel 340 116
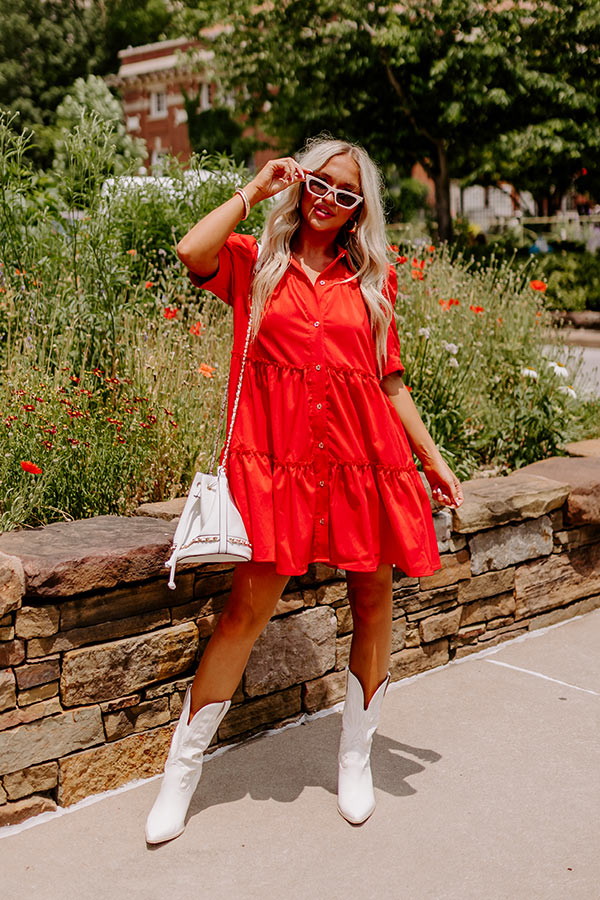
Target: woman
pixel 320 464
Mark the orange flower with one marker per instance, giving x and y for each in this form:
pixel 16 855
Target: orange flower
pixel 431 248
pixel 394 247
pixel 207 371
pixel 148 285
pixel 499 320
pixel 170 312
pixel 132 252
pixel 30 467
pixel 197 329
pixel 538 285
pixel 408 387
pixel 417 274
pixel 476 309
pixel 401 259
pixel 453 302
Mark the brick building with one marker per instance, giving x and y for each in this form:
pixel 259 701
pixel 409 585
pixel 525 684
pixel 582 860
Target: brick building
pixel 150 80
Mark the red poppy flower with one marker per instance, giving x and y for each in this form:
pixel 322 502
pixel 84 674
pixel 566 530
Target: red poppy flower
pixel 30 467
pixel 28 407
pixel 431 248
pixel 197 329
pixel 170 312
pixel 132 252
pixel 476 309
pixel 538 285
pixel 207 371
pixel 401 259
pixel 148 285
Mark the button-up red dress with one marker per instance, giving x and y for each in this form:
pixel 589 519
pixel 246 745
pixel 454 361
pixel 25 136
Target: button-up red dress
pixel 319 465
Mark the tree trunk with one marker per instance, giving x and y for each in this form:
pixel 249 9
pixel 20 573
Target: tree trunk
pixel 442 195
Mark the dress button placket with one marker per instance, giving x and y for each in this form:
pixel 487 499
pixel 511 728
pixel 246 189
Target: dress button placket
pixel 318 378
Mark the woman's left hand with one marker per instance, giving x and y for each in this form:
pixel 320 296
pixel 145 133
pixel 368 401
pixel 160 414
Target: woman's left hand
pixel 445 486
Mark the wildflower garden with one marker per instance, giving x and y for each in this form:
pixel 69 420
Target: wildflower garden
pixel 113 364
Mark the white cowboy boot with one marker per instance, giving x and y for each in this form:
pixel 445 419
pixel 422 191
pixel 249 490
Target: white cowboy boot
pixel 183 769
pixel 356 800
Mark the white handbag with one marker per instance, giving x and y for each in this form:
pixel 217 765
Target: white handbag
pixel 210 528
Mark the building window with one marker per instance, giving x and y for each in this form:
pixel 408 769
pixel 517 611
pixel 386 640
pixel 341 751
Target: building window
pixel 158 104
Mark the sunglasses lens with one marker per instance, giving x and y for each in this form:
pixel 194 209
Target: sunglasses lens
pixel 319 188
pixel 345 200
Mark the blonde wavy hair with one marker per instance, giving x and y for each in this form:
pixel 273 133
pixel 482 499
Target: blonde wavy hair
pixel 366 246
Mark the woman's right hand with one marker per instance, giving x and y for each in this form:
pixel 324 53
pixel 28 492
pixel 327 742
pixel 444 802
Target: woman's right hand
pixel 275 176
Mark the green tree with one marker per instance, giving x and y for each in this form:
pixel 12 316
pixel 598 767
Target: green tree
pixel 44 46
pixel 438 82
pixel 92 95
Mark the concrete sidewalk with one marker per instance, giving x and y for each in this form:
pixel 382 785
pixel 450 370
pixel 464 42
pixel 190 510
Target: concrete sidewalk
pixel 487 778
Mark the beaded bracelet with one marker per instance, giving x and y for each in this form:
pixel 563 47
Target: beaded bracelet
pixel 246 202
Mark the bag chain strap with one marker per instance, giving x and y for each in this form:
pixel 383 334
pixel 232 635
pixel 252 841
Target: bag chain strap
pixel 235 404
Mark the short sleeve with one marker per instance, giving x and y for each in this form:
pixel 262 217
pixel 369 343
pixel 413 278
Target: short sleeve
pixel 393 362
pixel 231 281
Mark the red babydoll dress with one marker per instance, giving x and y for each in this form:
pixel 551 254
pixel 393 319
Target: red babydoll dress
pixel 319 465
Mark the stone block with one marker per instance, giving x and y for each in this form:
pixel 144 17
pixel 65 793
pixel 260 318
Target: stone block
pixel 467 635
pixel 332 593
pixel 427 603
pixel 342 651
pixel 510 544
pixel 206 625
pixel 442 523
pixel 413 660
pixel 50 738
pixel 289 603
pixel 398 635
pixel 324 692
pixel 32 674
pixel 12 653
pixel 14 813
pixel 142 717
pixel 267 711
pixel 590 447
pixel 28 781
pixel 120 703
pixel 167 509
pixel 112 765
pixel 563 613
pixel 455 566
pixel 296 648
pixel 583 475
pixel 212 581
pixel 36 621
pixel 318 573
pixel 7 633
pixel 110 670
pixel 435 627
pixel 36 694
pixel 2 795
pixel 488 608
pixel 557 581
pixel 95 634
pixel 193 611
pixel 100 552
pixel 495 501
pixel 124 603
pixel 499 637
pixel 12 583
pixel 7 690
pixel 344 620
pixel 487 585
pixel 576 537
pixel 24 714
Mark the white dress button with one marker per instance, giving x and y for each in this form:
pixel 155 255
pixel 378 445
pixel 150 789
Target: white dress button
pixel 321 444
pixel 319 405
pixel 316 324
pixel 318 368
pixel 321 484
pixel 321 282
pixel 322 521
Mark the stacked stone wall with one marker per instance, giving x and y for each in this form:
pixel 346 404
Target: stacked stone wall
pixel 96 653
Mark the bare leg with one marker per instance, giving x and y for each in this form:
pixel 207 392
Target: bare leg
pixel 370 595
pixel 254 594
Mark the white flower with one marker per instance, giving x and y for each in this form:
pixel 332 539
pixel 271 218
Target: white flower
pixel 451 348
pixel 453 362
pixel 558 369
pixel 424 332
pixel 567 389
pixel 528 372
